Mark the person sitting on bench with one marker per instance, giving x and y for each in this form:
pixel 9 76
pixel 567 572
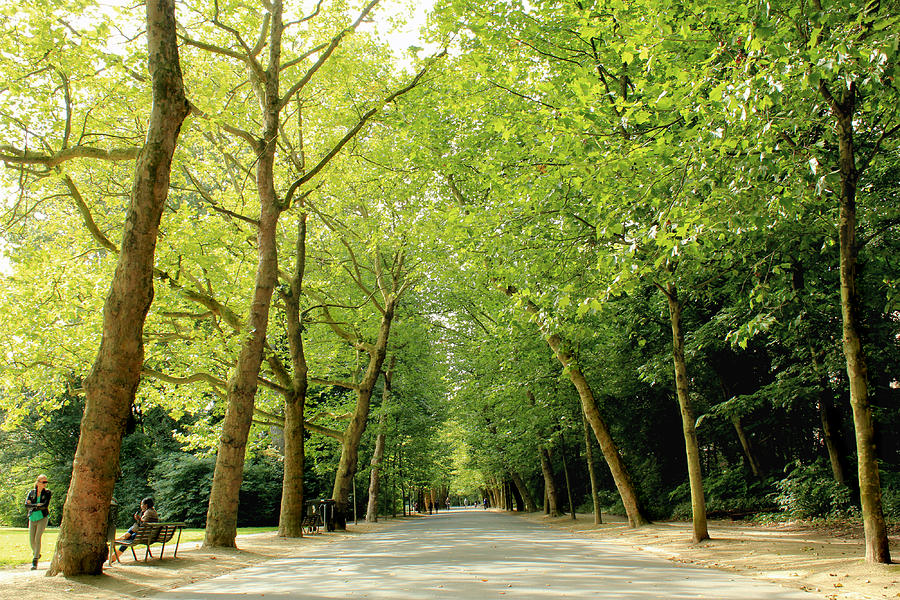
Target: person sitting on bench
pixel 147 514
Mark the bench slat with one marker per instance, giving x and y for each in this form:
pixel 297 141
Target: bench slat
pixel 148 534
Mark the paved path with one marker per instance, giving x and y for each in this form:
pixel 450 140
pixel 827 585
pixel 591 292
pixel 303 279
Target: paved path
pixel 474 554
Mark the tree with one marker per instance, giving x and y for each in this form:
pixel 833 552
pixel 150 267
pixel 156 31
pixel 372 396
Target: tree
pixel 110 386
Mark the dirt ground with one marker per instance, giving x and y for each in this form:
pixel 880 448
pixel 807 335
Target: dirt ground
pixel 828 561
pixel 130 579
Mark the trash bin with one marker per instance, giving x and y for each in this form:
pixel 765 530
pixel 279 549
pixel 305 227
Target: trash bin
pixel 326 511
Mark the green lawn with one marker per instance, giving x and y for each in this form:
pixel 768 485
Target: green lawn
pixel 14 548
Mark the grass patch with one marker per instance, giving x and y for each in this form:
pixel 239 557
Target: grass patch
pixel 15 550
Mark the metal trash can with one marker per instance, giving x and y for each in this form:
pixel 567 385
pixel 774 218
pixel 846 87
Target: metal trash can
pixel 326 511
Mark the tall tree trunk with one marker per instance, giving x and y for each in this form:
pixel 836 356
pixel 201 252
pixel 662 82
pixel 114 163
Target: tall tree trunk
pixel 551 495
pixel 372 507
pixel 877 545
pixel 290 522
pixel 518 503
pixel 494 494
pixel 378 455
pixel 610 450
pixel 221 516
pixel 565 463
pixel 109 388
pixel 829 428
pixel 527 498
pixel 400 477
pixel 692 448
pixel 343 479
pixel 394 492
pixel 830 436
pixel 595 486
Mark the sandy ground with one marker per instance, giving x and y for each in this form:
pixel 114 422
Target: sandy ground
pixel 818 559
pixel 140 579
pixel 827 561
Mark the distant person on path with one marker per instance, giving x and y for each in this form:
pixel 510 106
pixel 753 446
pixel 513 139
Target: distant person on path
pixel 448 502
pixel 484 503
pixel 37 501
pixel 147 514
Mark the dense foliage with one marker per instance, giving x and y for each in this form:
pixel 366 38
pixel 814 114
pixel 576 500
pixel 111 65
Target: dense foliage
pixel 569 172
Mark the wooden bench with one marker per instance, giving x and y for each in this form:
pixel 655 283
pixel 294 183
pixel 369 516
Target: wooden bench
pixel 311 523
pixel 148 534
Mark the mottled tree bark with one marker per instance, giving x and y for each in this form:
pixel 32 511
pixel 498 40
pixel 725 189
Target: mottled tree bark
pixel 110 386
pixel 343 479
pixel 290 522
pixel 610 450
pixel 378 454
pixel 221 516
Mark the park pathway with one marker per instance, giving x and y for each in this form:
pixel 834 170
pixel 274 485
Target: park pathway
pixel 475 554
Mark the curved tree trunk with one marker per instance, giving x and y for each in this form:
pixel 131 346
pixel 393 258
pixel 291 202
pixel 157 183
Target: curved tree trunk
pixel 109 388
pixel 746 446
pixel 692 449
pixel 743 438
pixel 877 544
pixel 610 450
pixel 550 494
pixel 830 437
pixel 827 417
pixel 527 498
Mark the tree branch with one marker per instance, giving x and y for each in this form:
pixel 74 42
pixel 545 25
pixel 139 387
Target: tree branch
pixel 355 129
pixel 326 54
pixel 87 217
pixel 15 156
pixel 212 380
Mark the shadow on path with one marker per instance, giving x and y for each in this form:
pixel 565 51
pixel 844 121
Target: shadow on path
pixel 478 554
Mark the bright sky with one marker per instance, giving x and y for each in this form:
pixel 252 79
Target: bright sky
pixel 401 39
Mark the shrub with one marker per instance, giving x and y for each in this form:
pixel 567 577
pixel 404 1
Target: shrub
pixel 890 495
pixel 810 491
pixel 728 491
pixel 181 485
